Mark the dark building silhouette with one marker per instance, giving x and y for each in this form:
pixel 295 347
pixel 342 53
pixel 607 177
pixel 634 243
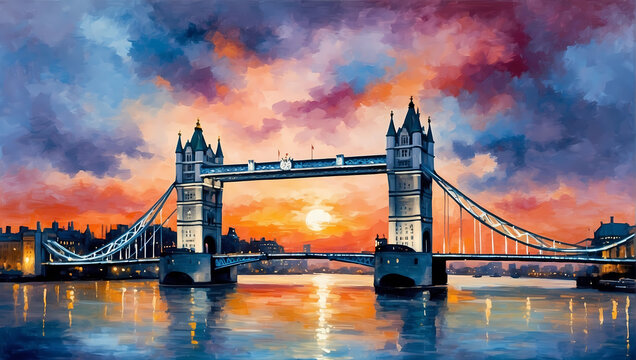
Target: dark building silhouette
pixel 230 242
pixel 610 232
pixel 380 241
pixel 261 246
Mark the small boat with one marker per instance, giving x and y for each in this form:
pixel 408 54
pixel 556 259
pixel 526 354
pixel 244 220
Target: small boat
pixel 495 275
pixel 515 275
pixel 477 276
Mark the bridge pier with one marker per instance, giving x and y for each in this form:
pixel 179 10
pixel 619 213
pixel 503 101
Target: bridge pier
pixel 189 268
pixel 397 269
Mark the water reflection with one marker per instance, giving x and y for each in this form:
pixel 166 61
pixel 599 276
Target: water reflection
pixel 314 316
pixel 194 316
pixel 415 318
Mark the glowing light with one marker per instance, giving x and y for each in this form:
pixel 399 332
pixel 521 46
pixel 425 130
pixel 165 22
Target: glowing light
pixel 317 219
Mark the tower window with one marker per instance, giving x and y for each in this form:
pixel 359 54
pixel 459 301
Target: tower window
pixel 188 157
pixel 404 140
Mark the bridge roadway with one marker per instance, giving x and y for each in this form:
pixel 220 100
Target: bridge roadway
pixel 338 166
pixel 366 259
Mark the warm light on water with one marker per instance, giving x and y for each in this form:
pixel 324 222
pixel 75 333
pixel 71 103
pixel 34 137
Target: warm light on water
pixel 312 316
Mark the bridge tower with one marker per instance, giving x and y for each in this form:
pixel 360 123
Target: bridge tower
pixel 409 150
pixel 199 203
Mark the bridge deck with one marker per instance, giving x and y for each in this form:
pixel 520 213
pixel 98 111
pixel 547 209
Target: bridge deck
pixel 535 258
pixel 338 166
pixel 366 257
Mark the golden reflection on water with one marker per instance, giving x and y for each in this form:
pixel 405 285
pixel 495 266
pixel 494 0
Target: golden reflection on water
pixel 43 310
pixel 123 301
pixel 321 285
pixel 528 310
pixel 25 293
pixel 488 308
pixel 70 295
pixel 627 320
pixel 135 307
pixel 16 288
pixel 571 317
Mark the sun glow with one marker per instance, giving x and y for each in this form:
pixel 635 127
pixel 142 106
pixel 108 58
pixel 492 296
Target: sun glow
pixel 317 219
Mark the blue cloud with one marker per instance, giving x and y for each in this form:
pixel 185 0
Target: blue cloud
pixel 359 74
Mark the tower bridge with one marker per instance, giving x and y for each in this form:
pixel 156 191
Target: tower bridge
pixel 408 163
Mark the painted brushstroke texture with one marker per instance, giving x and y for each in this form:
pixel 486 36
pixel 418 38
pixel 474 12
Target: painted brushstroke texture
pixel 532 106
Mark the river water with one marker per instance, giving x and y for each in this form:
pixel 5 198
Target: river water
pixel 314 317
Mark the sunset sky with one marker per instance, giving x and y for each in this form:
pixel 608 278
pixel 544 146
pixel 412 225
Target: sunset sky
pixel 532 107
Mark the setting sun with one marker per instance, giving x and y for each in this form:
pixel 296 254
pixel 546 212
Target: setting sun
pixel 316 219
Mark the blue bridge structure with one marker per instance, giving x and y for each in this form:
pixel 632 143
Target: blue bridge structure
pixel 409 166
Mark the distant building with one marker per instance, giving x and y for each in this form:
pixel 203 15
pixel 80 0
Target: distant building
pixel 230 242
pixel 494 268
pixel 307 248
pixel 549 270
pixel 261 246
pixel 567 269
pixel 610 232
pixel 11 251
pixel 18 251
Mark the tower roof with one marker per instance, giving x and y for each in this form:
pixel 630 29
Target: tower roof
pixel 391 130
pixel 412 119
pixel 219 151
pixel 198 141
pixel 179 146
pixel 429 135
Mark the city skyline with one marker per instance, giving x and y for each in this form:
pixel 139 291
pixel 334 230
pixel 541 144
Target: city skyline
pixel 531 106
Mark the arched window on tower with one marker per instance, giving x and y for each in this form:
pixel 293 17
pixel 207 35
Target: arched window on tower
pixel 404 140
pixel 188 156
